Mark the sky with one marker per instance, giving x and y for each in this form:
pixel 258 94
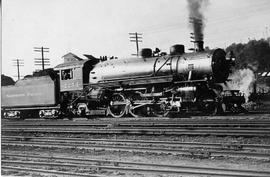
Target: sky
pixel 102 27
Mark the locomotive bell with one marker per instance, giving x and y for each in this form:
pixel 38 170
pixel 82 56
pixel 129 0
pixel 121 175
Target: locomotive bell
pixel 177 49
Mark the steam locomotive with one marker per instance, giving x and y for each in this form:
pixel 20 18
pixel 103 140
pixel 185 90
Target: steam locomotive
pixel 149 85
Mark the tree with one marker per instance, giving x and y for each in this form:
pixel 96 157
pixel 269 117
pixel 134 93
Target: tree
pixel 5 80
pixel 254 55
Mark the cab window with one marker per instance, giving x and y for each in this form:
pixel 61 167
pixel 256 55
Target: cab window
pixel 66 74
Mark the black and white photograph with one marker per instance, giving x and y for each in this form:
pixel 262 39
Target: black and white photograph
pixel 135 88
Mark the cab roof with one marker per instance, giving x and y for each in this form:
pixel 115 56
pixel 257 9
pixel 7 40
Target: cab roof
pixel 71 64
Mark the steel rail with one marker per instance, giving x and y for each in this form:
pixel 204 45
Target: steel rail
pixel 212 121
pixel 133 166
pixel 54 172
pixel 171 126
pixel 208 153
pixel 148 131
pixel 145 142
pixel 168 129
pixel 153 119
pixel 141 123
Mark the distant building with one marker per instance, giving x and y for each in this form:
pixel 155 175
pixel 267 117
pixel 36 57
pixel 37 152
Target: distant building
pixel 69 57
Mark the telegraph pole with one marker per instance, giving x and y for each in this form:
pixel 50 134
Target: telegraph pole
pixel 18 63
pixel 42 61
pixel 136 37
pixel 192 37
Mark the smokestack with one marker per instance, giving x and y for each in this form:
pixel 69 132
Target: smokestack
pixel 198 46
pixel 197 24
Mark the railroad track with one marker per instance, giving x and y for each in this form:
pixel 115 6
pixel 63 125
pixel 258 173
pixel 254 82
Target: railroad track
pixel 141 123
pixel 198 131
pixel 225 145
pixel 177 148
pixel 94 167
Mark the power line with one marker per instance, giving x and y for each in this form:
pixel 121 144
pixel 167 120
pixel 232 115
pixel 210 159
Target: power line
pixel 257 9
pixel 136 37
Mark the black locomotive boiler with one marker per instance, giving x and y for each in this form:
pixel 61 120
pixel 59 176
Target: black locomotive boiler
pixel 149 85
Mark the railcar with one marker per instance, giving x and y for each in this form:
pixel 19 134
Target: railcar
pixel 32 97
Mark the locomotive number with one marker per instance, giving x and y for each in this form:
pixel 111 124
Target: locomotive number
pixel 71 85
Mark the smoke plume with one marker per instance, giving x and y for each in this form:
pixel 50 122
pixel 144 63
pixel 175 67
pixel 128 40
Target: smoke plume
pixel 242 80
pixel 196 17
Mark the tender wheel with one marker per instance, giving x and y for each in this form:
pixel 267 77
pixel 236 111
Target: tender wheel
pixel 160 110
pixel 118 105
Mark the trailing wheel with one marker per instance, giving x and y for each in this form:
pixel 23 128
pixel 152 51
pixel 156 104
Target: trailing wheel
pixel 159 110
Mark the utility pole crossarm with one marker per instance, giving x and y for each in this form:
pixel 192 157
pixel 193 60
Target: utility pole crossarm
pixel 134 37
pixel 42 61
pixel 18 63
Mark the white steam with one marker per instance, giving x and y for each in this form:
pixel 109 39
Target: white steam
pixel 242 80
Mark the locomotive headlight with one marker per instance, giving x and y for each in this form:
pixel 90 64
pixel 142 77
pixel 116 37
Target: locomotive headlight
pixel 231 58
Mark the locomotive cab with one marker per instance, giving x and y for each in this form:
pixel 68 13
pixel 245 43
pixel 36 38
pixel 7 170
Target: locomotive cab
pixel 74 82
pixel 74 72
